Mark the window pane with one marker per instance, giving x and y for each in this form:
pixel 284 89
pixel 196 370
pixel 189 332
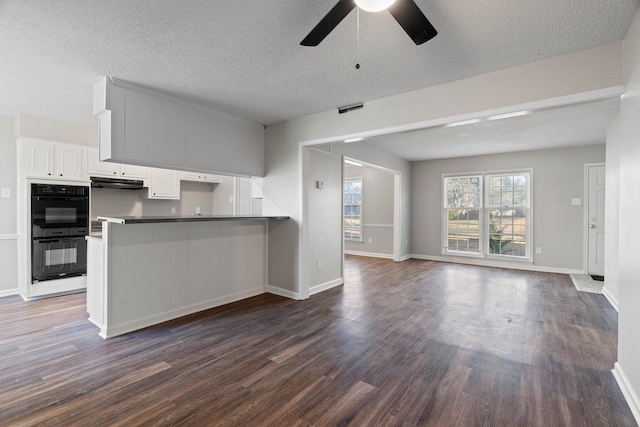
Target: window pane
pixel 462 230
pixel 507 232
pixel 352 209
pixel 463 192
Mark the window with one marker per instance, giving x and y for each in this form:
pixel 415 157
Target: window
pixel 353 209
pixel 462 213
pixel 488 214
pixel 508 210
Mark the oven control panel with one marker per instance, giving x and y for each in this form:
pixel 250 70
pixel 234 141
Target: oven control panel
pixel 59 190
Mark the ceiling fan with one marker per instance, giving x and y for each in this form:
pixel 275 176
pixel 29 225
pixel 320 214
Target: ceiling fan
pixel 405 12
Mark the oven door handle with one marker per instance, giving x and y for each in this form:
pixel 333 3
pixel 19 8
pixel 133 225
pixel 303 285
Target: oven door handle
pixel 72 199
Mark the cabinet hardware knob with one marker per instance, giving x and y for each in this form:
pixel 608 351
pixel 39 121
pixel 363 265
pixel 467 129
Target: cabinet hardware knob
pixel 49 174
pixel 114 173
pixel 60 174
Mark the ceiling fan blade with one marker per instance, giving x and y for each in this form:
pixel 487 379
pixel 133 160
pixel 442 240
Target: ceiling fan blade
pixel 329 22
pixel 413 21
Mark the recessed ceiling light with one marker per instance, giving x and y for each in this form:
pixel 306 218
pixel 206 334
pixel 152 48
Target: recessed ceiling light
pixel 509 115
pixel 462 123
pixel 351 162
pixel 353 140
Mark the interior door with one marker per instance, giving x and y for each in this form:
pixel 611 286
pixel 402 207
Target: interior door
pixel 596 219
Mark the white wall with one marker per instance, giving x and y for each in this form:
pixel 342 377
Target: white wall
pixel 325 211
pixel 629 273
pixel 377 210
pixel 612 210
pixel 554 81
pixel 8 228
pixel 55 130
pixel 558 176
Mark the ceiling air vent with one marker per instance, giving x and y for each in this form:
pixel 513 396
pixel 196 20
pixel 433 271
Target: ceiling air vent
pixel 342 110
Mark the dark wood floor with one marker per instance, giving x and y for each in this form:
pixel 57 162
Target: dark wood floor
pixel 416 343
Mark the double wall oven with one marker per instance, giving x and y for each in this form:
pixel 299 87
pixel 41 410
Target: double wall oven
pixel 59 224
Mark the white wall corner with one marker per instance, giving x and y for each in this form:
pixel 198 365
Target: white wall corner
pixel 325 286
pixel 281 292
pixel 609 296
pixel 627 391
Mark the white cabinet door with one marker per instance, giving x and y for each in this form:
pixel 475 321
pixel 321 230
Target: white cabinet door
pixel 134 171
pixel 200 177
pixel 39 159
pixel 97 168
pixel 68 161
pixel 164 184
pixel 155 129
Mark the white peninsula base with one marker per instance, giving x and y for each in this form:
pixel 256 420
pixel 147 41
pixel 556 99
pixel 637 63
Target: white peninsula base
pixel 142 274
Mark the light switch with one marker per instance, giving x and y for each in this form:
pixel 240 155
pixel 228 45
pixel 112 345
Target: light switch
pixel 319 185
pixel 576 202
pixel 6 193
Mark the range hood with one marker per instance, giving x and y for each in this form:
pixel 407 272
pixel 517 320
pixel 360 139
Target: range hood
pixel 118 183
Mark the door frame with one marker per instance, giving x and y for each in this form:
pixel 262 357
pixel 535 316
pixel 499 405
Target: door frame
pixel 397 206
pixel 585 216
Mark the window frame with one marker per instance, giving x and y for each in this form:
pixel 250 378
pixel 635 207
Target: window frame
pixel 344 237
pixel 485 211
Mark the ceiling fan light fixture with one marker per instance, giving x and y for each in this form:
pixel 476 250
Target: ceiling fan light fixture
pixel 374 5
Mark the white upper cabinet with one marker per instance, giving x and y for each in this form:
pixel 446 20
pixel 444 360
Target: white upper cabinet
pixel 200 177
pixel 114 170
pixel 97 168
pixel 134 172
pixel 52 160
pixel 155 128
pixel 39 159
pixel 68 162
pixel 142 126
pixel 164 184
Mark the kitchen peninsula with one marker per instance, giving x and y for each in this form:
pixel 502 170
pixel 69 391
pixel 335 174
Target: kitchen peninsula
pixel 146 270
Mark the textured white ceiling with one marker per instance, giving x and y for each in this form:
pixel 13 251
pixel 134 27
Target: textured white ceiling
pixel 575 125
pixel 244 56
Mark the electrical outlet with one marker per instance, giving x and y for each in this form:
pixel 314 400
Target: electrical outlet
pixel 197 209
pixel 576 201
pixel 538 251
pixel 406 242
pixel 246 269
pixel 173 209
pixel 370 239
pixel 318 263
pixel 6 193
pixel 230 199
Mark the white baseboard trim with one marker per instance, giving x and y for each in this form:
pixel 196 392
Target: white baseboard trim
pixel 9 292
pixel 405 257
pixel 498 264
pixel 369 254
pixel 325 286
pixel 627 391
pixel 281 292
pixel 134 325
pixel 609 296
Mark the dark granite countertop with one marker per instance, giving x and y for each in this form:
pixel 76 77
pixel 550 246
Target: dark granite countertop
pixel 192 218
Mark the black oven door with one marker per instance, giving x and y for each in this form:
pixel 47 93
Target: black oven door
pixel 58 258
pixel 48 212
